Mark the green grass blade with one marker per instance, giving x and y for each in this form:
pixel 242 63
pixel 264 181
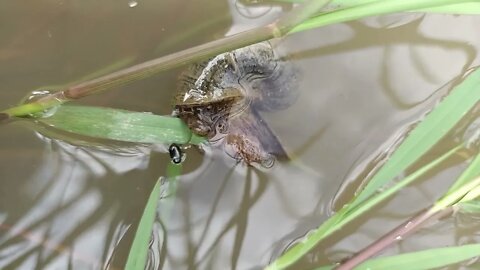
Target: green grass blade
pixel 328 267
pixel 427 133
pixel 347 214
pixel 472 207
pixel 137 256
pixel 120 125
pixel 423 260
pixel 362 9
pixel 472 171
pixel 472 8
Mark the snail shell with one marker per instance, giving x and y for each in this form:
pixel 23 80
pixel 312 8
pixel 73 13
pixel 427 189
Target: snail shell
pixel 224 95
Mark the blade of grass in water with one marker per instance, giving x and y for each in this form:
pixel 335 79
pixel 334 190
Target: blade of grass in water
pixel 470 7
pixel 472 171
pixel 472 207
pixel 346 215
pixel 121 125
pixel 423 260
pixel 137 257
pixel 374 8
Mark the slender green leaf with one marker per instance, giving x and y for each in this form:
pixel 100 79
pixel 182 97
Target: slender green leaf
pixel 427 133
pixel 472 8
pixel 168 199
pixel 423 260
pixel 328 267
pixel 472 171
pixel 120 125
pixel 354 10
pixel 137 256
pixel 470 206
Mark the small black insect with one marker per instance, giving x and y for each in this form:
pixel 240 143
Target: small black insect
pixel 176 153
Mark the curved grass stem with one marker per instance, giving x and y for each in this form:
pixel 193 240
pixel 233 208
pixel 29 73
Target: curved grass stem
pixel 395 235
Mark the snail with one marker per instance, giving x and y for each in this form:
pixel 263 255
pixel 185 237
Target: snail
pixel 222 99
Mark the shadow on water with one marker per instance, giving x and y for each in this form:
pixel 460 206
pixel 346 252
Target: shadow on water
pixel 201 248
pixel 68 202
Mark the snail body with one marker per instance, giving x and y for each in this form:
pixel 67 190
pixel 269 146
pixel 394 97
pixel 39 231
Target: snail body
pixel 222 97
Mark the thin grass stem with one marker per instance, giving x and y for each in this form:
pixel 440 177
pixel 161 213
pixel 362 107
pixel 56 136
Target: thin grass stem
pixel 395 235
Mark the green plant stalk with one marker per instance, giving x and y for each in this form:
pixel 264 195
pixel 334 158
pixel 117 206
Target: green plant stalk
pixel 425 259
pixel 441 209
pixel 468 174
pixel 469 180
pixel 466 188
pixel 347 214
pixel 279 28
pixel 31 108
pixel 395 235
pixel 137 256
pixel 471 195
pixel 457 195
pixel 376 8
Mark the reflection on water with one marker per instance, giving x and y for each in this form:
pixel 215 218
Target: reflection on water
pixel 65 206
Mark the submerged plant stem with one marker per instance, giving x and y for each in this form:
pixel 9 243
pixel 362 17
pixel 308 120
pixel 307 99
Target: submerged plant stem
pixel 395 235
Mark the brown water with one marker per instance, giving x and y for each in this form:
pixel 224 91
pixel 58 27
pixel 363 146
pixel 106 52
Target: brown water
pixel 65 206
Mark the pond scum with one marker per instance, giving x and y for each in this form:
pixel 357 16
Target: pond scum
pixel 148 128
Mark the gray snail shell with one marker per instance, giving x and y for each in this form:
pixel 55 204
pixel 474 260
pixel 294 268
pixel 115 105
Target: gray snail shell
pixel 225 94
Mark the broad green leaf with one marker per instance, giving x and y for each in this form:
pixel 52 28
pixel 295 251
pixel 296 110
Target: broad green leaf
pixel 465 189
pixel 137 257
pixel 427 133
pixel 168 199
pixel 120 125
pixel 423 260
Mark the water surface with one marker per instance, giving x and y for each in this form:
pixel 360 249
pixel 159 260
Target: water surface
pixel 69 206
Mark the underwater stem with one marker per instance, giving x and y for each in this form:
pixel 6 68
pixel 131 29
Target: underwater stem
pixel 395 235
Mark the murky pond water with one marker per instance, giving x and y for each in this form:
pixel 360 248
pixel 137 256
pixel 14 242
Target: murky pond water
pixel 362 83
